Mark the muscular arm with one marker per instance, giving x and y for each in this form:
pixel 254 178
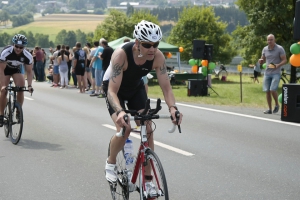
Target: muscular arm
pixel 163 79
pixel 283 61
pixel 2 68
pixel 29 73
pixel 92 61
pixel 118 66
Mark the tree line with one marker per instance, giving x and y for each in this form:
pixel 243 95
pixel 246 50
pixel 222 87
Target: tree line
pixel 203 23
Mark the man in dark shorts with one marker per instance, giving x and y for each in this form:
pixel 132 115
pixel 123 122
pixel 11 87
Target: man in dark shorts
pixel 128 65
pixel 11 60
pixel 80 61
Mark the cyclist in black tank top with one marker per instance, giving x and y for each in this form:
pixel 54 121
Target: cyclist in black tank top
pixel 128 65
pixel 11 60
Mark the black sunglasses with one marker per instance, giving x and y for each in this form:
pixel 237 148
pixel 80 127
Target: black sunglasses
pixel 19 47
pixel 148 45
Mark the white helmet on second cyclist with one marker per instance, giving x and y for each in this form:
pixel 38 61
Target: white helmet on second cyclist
pixel 147 32
pixel 20 39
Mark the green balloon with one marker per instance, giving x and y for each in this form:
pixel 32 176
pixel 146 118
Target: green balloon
pixel 212 65
pixel 295 48
pixel 264 66
pixel 280 98
pixel 192 62
pixel 204 71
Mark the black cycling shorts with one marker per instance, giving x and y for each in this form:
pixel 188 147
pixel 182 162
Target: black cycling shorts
pixel 10 71
pixel 136 98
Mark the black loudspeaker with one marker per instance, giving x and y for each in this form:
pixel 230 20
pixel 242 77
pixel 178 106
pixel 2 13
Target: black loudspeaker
pixel 198 49
pixel 290 109
pixel 197 87
pixel 297 21
pixel 208 52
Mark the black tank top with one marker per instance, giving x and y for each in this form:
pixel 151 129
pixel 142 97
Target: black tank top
pixel 132 77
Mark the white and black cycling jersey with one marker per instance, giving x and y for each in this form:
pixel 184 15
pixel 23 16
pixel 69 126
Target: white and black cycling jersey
pixel 13 60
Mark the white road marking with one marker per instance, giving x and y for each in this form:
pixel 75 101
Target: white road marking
pixel 29 98
pixel 185 153
pixel 236 114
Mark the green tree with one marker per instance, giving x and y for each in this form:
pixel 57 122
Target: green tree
pixel 80 36
pixel 4 17
pixel 5 39
pixel 112 27
pixel 200 23
pixel 42 40
pixel 66 38
pixel 31 39
pixel 117 24
pixel 265 17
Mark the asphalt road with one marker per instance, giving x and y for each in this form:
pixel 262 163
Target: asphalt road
pixel 222 152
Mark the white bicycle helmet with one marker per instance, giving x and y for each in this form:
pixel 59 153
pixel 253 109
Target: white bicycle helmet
pixel 147 32
pixel 19 39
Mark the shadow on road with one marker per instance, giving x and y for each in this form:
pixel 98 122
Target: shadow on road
pixel 30 144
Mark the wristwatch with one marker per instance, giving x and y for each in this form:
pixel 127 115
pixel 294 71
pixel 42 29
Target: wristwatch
pixel 118 112
pixel 174 106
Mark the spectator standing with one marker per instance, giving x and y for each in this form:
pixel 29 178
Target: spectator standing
pixel 71 58
pixel 69 63
pixel 80 61
pixel 98 69
pixel 256 72
pixel 55 66
pixel 39 56
pixel 105 57
pixel 62 61
pixel 87 73
pixel 274 56
pixel 91 66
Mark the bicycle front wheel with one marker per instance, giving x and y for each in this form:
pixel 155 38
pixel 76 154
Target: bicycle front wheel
pixel 159 178
pixel 7 119
pixel 120 189
pixel 16 123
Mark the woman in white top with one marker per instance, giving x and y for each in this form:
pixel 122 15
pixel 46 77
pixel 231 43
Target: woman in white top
pixel 62 61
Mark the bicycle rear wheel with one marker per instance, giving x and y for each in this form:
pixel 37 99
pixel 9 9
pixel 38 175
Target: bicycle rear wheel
pixel 158 174
pixel 120 190
pixel 7 119
pixel 16 123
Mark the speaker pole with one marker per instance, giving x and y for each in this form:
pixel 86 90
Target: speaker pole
pixel 208 53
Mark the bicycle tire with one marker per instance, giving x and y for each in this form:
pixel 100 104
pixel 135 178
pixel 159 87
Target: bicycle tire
pixel 6 119
pixel 16 123
pixel 282 80
pixel 120 190
pixel 157 168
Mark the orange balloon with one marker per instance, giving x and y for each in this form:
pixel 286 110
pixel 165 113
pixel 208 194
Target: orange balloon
pixel 195 69
pixel 180 49
pixel 204 63
pixel 295 60
pixel 298 42
pixel 169 55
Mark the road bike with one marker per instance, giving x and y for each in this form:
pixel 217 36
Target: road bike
pixel 145 156
pixel 13 114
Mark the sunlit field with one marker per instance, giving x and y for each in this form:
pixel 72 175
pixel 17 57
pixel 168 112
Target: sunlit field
pixel 52 24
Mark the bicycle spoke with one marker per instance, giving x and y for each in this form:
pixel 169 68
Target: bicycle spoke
pixel 120 190
pixel 159 178
pixel 16 124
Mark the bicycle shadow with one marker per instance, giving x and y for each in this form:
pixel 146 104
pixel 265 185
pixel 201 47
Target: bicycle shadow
pixel 31 144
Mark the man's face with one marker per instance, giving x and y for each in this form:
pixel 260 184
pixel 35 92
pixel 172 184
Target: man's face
pixel 18 48
pixel 271 40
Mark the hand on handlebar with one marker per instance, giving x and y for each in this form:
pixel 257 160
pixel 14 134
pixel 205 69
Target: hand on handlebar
pixel 176 118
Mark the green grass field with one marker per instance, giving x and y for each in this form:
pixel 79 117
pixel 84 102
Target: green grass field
pixel 229 92
pixel 52 24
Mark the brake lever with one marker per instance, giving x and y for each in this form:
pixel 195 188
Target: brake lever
pixel 122 131
pixel 177 115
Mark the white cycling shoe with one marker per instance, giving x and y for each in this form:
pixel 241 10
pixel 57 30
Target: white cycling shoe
pixel 151 189
pixel 111 172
